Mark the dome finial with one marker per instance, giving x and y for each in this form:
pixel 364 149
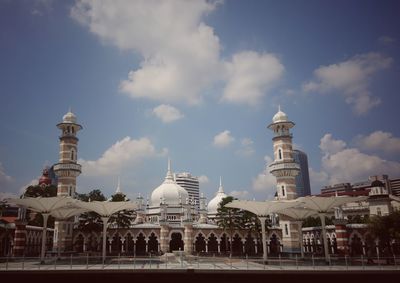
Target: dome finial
pixel 118 191
pixel 169 176
pixel 221 188
pixel 279 107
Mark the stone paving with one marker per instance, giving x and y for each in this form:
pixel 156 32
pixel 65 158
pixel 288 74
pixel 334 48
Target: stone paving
pixel 195 263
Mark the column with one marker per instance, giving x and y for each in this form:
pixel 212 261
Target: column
pixel 219 247
pixel 342 237
pixel 188 241
pixel 19 238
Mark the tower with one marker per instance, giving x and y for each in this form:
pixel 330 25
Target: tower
pixel 66 170
pixel 190 184
pixel 303 178
pixel 285 169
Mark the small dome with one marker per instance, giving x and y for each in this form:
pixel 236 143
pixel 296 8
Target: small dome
pixel 45 180
pixel 213 205
pixel 69 117
pixel 169 191
pixel 377 183
pixel 280 117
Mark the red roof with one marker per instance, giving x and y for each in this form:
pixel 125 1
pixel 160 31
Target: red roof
pixel 9 219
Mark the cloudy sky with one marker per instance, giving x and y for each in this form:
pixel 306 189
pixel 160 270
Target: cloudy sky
pixel 199 81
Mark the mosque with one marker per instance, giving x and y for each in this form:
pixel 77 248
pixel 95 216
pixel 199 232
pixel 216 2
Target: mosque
pixel 171 220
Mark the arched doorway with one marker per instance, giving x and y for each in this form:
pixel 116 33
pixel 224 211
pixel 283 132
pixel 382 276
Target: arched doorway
pixel 129 244
pixel 224 244
pixel 176 243
pixel 212 244
pixel 249 245
pixel 153 243
pixel 274 245
pixel 79 244
pixel 237 245
pixel 200 244
pixel 356 246
pixel 140 245
pixel 116 244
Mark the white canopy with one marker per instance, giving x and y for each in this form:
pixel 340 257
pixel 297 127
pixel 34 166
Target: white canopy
pixel 43 205
pixel 263 208
pixel 107 208
pixel 326 204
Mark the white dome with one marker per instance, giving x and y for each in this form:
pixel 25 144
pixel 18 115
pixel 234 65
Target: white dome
pixel 169 192
pixel 213 205
pixel 69 117
pixel 280 117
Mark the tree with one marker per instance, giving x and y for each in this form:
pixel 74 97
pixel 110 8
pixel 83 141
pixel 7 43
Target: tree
pixel 91 221
pixel 229 219
pixel 121 219
pixel 316 221
pixel 386 228
pixel 35 191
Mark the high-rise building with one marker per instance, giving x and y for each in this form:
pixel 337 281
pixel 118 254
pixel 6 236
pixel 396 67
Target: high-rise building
pixel 190 184
pixel 303 179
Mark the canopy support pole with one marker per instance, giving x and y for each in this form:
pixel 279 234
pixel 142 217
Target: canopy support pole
pixel 264 238
pixel 45 218
pixel 322 217
pixel 105 220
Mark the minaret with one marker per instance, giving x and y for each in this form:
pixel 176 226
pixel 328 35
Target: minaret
pixel 284 168
pixel 67 169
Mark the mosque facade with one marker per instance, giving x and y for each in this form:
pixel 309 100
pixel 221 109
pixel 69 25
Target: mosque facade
pixel 171 220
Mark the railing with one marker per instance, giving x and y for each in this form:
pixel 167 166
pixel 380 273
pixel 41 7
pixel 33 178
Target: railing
pixel 172 262
pixel 279 166
pixel 68 166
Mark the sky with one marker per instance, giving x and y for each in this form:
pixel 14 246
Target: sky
pixel 199 82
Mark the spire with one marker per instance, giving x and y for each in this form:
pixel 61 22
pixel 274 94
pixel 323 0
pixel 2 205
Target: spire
pixel 69 109
pixel 169 176
pixel 279 107
pixel 220 189
pixel 118 191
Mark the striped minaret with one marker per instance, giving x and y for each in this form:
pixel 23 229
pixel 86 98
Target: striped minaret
pixel 285 169
pixel 67 170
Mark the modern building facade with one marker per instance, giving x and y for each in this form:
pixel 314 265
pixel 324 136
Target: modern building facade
pixel 191 185
pixel 303 178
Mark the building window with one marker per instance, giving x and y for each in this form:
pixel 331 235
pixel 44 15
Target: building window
pixel 283 191
pixel 378 211
pixel 280 153
pixel 286 230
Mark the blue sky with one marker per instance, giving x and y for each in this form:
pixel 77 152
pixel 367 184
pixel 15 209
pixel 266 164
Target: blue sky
pixel 199 81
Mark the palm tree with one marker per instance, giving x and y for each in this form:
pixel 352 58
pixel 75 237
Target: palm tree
pixel 122 219
pixel 91 221
pixel 228 218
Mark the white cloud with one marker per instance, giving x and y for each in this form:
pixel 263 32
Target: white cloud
pixel 265 182
pixel 379 141
pixel 328 145
pixel 223 139
pixel 386 40
pixel 123 153
pixel 250 75
pixel 203 179
pixel 345 164
pixel 246 148
pixel 240 194
pixel 5 180
pixel 167 113
pixel 181 54
pixel 351 78
pixel 33 182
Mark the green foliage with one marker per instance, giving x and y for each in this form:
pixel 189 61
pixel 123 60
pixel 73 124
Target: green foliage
pixel 44 192
pixel 40 191
pixel 316 221
pixel 91 221
pixel 386 228
pixel 123 218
